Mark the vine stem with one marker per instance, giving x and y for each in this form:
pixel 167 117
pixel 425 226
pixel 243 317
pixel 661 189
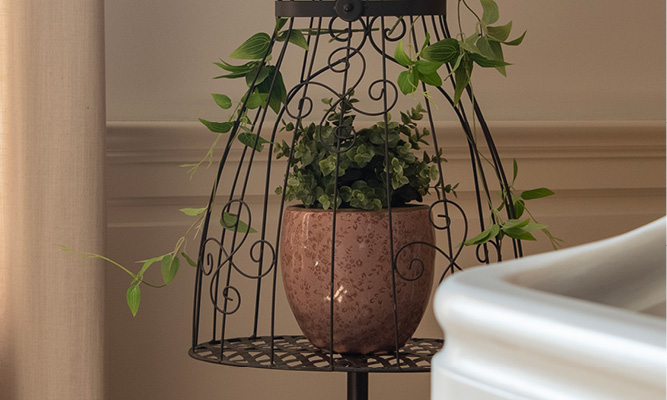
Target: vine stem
pixel 471 10
pixel 94 255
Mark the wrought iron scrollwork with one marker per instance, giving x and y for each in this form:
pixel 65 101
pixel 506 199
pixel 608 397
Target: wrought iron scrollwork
pixel 228 252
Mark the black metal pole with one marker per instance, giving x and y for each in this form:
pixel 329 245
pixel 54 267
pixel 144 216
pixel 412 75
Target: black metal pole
pixel 357 386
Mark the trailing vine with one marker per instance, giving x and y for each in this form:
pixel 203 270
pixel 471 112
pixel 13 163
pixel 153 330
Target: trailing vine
pixel 362 168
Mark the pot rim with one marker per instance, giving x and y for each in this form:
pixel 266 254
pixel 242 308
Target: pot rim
pixel 405 208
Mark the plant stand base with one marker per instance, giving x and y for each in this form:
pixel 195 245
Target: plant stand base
pixel 357 386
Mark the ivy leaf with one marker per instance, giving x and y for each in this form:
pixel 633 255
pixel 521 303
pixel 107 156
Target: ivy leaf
pixel 535 227
pixel 515 223
pixel 193 212
pixel 519 207
pixel 256 100
pixel 254 48
pixel 154 259
pixel 432 79
pixel 144 268
pixel 407 82
pixel 249 139
pixel 485 236
pixel 188 259
pixel 497 51
pixel 519 234
pixel 250 76
pixel 295 37
pixel 147 263
pixel 427 67
pixel 516 170
pixel 279 93
pixel 133 297
pixel 231 222
pixel 170 265
pixel 499 33
pixel 231 76
pixel 536 193
pixel 427 40
pixel 217 127
pixel 280 22
pixel 490 11
pixel 516 41
pixel 485 62
pixel 400 55
pixel 242 69
pixel 443 51
pixel 462 78
pixel 490 49
pixel 222 100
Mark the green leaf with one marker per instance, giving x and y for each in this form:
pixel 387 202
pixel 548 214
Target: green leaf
pixel 519 234
pixel 249 139
pixel 188 259
pixel 256 100
pixel 516 170
pixel 147 264
pixel 236 69
pixel 499 33
pixel 485 48
pixel 297 38
pixel 469 44
pixel 231 76
pixel 279 93
pixel 515 223
pixel 534 227
pixel 443 51
pixel 516 41
pixel 432 79
pixel 133 297
pixel 280 22
pixel 154 259
pixel 222 100
pixel 485 62
pixel 400 55
pixel 519 207
pixel 536 193
pixel 217 127
pixel 254 48
pixel 170 265
pixel 491 50
pixel 490 11
pixel 485 236
pixel 427 67
pixel 462 78
pixel 427 40
pixel 193 212
pixel 231 222
pixel 407 82
pixel 250 76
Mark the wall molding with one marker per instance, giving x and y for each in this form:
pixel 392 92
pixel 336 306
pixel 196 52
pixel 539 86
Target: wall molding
pixel 583 161
pixel 132 142
pixel 608 176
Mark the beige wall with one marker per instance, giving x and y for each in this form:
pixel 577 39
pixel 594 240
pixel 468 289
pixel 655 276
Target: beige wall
pixel 584 117
pixel 592 60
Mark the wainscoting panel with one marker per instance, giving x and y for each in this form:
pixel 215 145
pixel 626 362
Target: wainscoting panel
pixel 609 177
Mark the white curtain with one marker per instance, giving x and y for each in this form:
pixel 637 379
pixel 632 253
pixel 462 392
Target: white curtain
pixel 52 124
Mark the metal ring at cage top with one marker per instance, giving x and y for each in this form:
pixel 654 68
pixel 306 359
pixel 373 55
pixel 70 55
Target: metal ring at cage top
pixel 375 8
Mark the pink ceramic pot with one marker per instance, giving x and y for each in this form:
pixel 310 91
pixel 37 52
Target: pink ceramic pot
pixel 363 291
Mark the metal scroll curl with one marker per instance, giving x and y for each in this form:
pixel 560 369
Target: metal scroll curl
pixel 417 264
pixel 260 251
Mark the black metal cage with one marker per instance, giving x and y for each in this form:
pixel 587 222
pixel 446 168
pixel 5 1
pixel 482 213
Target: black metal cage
pixel 235 320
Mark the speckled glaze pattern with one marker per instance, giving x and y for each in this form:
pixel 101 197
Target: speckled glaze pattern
pixel 363 294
